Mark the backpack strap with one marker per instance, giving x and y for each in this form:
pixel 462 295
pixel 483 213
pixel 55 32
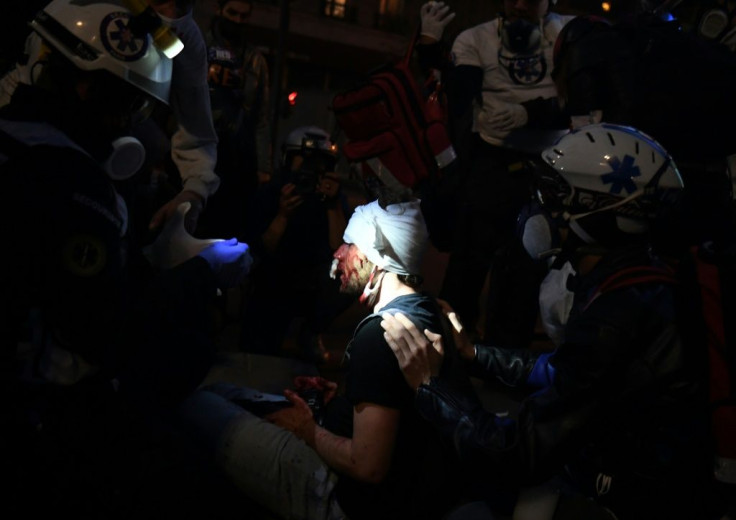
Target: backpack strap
pixel 715 274
pixel 635 275
pixel 412 43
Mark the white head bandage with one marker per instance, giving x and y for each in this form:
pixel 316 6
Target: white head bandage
pixel 394 239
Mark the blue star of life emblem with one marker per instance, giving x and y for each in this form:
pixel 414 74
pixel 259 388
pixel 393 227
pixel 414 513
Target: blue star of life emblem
pixel 621 178
pixel 527 70
pixel 119 39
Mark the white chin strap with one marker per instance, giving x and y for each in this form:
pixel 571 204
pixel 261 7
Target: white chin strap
pixel 372 288
pixel 571 218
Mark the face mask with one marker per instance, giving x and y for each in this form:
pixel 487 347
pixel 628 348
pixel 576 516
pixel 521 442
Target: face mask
pixel 372 288
pixel 538 231
pixel 232 31
pixel 555 302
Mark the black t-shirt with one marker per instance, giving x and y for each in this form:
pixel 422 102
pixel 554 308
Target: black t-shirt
pixel 419 481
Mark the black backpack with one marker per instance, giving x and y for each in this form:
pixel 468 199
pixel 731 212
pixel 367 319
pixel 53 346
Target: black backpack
pixel 705 280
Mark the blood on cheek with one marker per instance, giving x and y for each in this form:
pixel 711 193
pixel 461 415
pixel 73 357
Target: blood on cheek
pixel 353 266
pixel 354 260
pixel 349 262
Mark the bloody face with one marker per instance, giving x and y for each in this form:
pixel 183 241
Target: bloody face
pixel 353 268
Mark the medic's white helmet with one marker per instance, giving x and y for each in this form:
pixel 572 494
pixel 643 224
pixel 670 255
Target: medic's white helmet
pixel 97 35
pixel 312 142
pixel 618 179
pixel 309 138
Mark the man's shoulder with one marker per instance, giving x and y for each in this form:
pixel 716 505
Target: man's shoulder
pixel 557 17
pixel 407 302
pixel 554 22
pixel 32 136
pixel 419 307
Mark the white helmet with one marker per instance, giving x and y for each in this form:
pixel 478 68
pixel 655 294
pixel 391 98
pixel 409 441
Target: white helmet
pixel 309 138
pixel 97 35
pixel 616 174
pixel 310 142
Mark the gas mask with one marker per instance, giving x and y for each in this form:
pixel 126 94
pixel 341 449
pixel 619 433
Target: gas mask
pixel 521 51
pixel 126 158
pixel 101 123
pixel 716 23
pixel 521 36
pixel 539 231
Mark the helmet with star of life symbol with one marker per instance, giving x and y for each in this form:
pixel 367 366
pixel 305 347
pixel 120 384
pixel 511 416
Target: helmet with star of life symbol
pixel 611 183
pixel 104 35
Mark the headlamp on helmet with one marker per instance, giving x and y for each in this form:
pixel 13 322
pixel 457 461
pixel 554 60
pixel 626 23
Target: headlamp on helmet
pixel 308 153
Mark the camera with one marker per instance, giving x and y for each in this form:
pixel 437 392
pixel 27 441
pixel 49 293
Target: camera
pixel 305 182
pixel 307 175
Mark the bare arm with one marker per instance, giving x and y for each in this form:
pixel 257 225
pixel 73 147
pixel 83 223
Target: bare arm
pixel 366 457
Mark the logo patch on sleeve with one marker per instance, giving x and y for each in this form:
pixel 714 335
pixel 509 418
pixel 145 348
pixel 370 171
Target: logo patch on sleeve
pixel 84 255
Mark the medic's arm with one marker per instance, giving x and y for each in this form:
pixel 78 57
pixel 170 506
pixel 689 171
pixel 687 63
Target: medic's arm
pixel 513 367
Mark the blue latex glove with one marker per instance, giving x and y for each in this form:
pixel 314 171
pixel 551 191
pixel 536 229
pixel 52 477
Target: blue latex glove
pixel 230 260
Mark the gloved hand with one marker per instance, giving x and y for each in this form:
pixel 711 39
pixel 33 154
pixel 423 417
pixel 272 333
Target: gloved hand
pixel 507 116
pixel 230 260
pixel 434 19
pixel 166 211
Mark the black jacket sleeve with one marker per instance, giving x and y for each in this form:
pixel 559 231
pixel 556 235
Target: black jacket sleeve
pixel 546 114
pixel 509 366
pixel 463 83
pixel 619 376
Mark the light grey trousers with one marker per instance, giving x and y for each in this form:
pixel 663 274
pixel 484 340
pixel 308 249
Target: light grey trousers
pixel 268 464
